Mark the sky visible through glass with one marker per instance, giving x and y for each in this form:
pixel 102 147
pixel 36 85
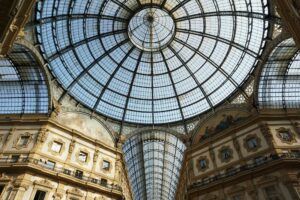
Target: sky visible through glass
pixel 180 59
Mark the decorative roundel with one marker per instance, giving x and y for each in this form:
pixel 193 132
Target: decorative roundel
pixel 151 62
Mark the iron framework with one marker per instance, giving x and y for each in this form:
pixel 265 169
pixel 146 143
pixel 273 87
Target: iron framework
pixel 153 162
pixel 279 85
pixel 211 52
pixel 23 89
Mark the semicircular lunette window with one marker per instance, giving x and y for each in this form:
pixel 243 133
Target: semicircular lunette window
pixel 279 85
pixel 151 62
pixel 23 86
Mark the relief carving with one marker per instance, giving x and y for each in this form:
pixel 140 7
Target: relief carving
pixel 286 135
pixel 267 133
pixel 225 154
pixel 42 135
pixel 16 143
pixel 75 192
pixel 11 132
pixel 44 183
pixel 72 145
pixel 96 155
pixel 254 147
pixel 296 126
pixel 212 154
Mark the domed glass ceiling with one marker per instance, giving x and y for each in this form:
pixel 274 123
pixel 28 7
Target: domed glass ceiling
pixel 151 62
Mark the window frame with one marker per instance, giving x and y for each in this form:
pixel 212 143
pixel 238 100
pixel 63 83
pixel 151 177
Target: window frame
pixel 38 198
pixel 78 174
pixel 106 162
pixel 52 166
pixel 26 140
pixel 55 142
pixel 80 154
pixel 15 158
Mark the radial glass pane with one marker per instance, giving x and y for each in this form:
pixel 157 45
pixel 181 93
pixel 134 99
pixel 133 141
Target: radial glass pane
pixel 151 62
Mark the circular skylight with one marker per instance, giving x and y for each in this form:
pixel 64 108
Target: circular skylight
pixel 151 62
pixel 151 29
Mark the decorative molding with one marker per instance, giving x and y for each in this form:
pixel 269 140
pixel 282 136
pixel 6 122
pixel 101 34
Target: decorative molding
pixel 43 183
pixel 267 179
pixel 96 155
pixel 42 135
pixel 296 126
pixel 63 146
pixel 16 141
pixel 212 156
pixel 199 166
pixel 11 132
pixel 40 138
pixel 99 198
pixel 237 146
pixel 57 196
pixel 236 189
pixel 221 150
pixel 244 111
pixel 19 16
pixel 88 156
pixel 75 192
pixel 210 197
pixel 258 141
pixel 253 194
pixel 267 133
pixel 110 165
pixel 20 184
pixel 137 131
pixel 5 178
pixel 72 145
pixel 291 134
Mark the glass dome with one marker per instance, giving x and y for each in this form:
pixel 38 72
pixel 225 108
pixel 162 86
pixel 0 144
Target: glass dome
pixel 151 62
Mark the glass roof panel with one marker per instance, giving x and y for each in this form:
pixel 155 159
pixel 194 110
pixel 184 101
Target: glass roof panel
pixel 153 161
pixel 152 61
pixel 279 85
pixel 23 86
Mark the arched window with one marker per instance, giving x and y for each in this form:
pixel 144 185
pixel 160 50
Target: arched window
pixel 23 88
pixel 279 85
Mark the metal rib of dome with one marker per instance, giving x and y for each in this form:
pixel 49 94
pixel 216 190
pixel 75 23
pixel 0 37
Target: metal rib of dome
pixel 182 58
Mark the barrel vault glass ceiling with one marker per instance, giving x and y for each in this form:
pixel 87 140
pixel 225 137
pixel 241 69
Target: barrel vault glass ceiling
pixel 151 61
pixel 154 161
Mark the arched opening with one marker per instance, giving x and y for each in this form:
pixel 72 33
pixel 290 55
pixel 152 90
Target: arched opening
pixel 279 85
pixel 23 87
pixel 153 162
